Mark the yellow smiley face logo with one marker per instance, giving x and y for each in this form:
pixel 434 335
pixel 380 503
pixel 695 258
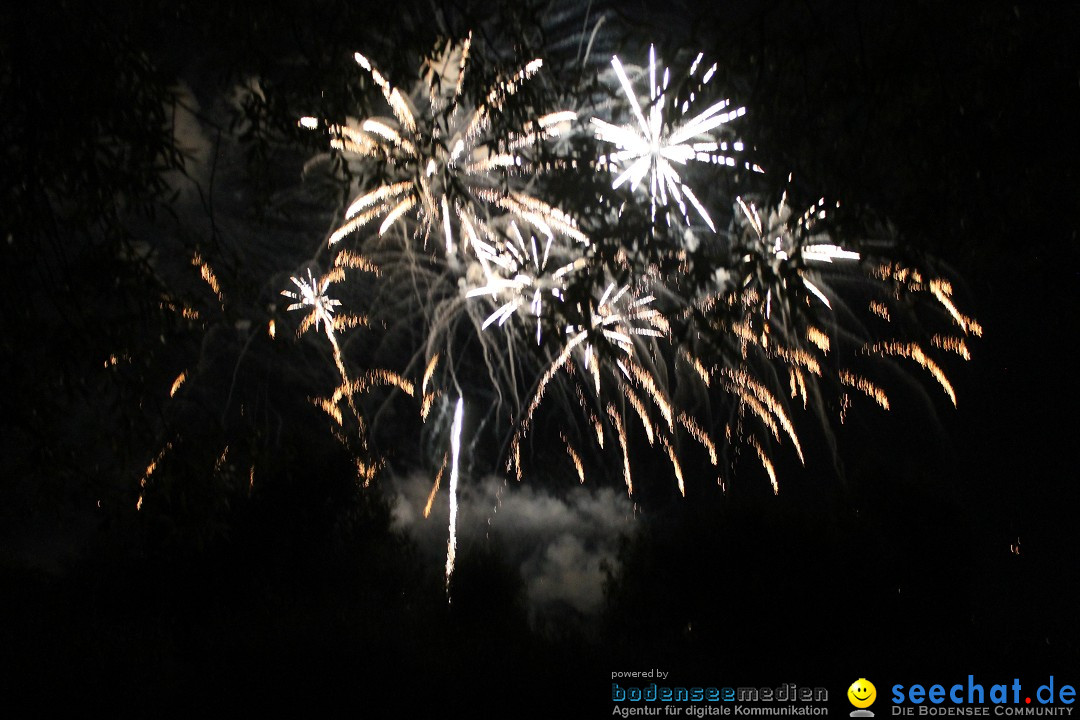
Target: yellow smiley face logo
pixel 862 693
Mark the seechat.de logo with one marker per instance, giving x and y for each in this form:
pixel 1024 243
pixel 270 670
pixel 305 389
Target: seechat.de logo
pixel 862 694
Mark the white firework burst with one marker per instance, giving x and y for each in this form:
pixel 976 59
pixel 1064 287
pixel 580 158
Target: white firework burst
pixel 447 165
pixel 660 141
pixel 520 275
pixel 311 294
pixel 610 348
pixel 789 247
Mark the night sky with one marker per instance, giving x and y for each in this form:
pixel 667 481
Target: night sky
pixel 934 542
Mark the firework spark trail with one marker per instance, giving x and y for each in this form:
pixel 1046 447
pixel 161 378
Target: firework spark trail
pixel 639 408
pixel 952 344
pixel 766 463
pixel 942 290
pixel 620 432
pixel 765 405
pixel 677 467
pixel 699 434
pixel 914 352
pixel 207 274
pixel 149 472
pixel 180 379
pixel 455 457
pixel 436 485
pixel 861 383
pixel 575 458
pixel 352 387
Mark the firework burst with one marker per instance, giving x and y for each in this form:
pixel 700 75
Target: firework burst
pixel 663 138
pixel 793 311
pixel 520 275
pixel 450 164
pixel 312 294
pixel 612 364
pixel 610 343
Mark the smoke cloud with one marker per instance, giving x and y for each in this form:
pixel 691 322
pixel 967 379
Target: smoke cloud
pixel 559 544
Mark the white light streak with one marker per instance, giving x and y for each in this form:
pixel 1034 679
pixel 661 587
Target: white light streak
pixel 455 458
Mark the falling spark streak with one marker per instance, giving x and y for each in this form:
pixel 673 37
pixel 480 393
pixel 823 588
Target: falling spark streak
pixel 352 261
pixel 798 386
pixel 221 460
pixel 881 310
pixel 652 146
pixel 550 373
pixel 349 388
pixel 426 404
pixel 150 469
pixel 942 290
pixel 647 383
pixel 700 435
pixel 620 432
pixel 428 372
pixel 767 464
pixel 818 338
pixel 371 378
pixel 177 383
pixel 798 358
pixel 515 457
pixel 767 400
pixel 675 464
pixel 873 391
pixel 400 209
pixel 575 458
pixel 696 364
pixel 951 344
pixel 912 351
pixel 182 310
pixel 435 486
pixel 455 453
pixel 758 410
pixel 376 197
pixel 207 274
pixel 639 408
pixel 366 472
